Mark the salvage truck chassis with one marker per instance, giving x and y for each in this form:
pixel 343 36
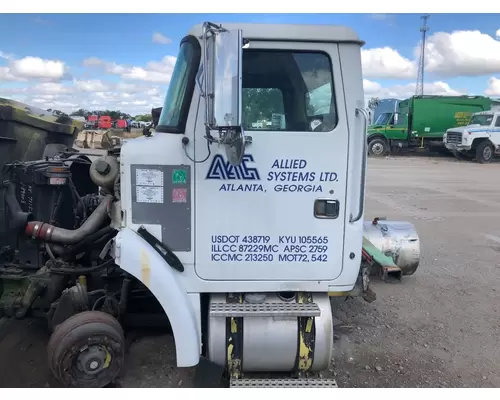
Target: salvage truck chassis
pixel 236 239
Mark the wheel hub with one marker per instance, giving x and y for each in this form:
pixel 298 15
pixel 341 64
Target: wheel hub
pixel 487 153
pixel 92 360
pixel 377 148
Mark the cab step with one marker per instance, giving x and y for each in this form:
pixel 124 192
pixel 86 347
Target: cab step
pixel 264 310
pixel 283 383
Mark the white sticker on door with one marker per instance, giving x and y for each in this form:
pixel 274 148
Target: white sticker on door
pixel 149 194
pixel 149 177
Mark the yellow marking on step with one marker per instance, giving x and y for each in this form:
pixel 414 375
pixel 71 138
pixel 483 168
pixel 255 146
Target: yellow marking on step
pixel 305 361
pixel 309 325
pixel 145 269
pixel 230 348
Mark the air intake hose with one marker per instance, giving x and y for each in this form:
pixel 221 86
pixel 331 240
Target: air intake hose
pixel 43 231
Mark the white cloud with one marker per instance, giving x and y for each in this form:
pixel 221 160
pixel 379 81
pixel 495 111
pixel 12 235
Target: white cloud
pixel 93 85
pixel 31 68
pixel 6 56
pixel 154 71
pixel 493 88
pixel 6 75
pixel 371 87
pixel 459 53
pixel 36 67
pixel 462 53
pixel 386 62
pixel 375 89
pixel 94 94
pixel 159 38
pixel 50 88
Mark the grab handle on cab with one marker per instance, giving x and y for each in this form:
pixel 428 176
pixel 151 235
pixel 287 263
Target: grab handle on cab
pixel 357 217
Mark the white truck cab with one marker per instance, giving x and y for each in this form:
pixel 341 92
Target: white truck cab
pixel 480 139
pixel 239 233
pixel 276 211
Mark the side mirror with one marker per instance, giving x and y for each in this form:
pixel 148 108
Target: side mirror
pixel 222 74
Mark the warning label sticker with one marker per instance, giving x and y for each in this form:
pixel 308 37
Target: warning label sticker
pixel 149 194
pixel 149 177
pixel 179 196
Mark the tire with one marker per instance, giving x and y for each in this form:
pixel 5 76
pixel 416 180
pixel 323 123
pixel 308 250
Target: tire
pixel 378 147
pixel 484 152
pixel 87 350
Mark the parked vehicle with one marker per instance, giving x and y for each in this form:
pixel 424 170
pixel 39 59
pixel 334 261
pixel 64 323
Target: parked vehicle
pixel 121 124
pixel 92 122
pixel 105 122
pixel 421 121
pixel 479 140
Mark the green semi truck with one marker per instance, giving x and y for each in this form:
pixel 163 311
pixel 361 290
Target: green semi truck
pixel 421 121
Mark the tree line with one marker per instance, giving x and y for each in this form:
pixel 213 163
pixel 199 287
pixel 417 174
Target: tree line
pixel 114 114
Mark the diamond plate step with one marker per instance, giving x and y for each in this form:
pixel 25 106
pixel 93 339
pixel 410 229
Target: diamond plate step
pixel 264 310
pixel 283 383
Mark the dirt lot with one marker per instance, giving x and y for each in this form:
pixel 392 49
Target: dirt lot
pixel 438 328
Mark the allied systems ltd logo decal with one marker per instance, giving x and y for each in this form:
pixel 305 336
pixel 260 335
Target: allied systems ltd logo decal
pixel 223 170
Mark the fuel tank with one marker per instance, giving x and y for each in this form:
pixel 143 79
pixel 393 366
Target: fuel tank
pixel 397 239
pixel 273 335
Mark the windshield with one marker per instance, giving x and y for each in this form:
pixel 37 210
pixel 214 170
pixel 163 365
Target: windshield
pixel 176 106
pixel 484 119
pixel 383 119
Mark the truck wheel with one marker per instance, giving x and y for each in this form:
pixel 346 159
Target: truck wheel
pixel 378 147
pixel 484 152
pixel 87 350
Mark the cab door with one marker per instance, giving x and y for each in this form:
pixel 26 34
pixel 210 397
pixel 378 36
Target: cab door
pixel 280 214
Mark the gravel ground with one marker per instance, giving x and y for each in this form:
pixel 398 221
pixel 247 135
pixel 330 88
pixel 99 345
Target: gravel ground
pixel 438 328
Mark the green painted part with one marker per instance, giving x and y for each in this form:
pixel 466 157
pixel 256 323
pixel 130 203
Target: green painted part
pixel 379 257
pixel 431 116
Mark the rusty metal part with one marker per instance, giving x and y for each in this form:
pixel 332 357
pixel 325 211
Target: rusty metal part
pixel 87 350
pixel 96 139
pixel 398 240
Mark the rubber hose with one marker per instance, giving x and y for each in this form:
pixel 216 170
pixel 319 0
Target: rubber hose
pixel 43 231
pixel 18 219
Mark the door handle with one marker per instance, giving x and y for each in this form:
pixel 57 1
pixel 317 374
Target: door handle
pixel 326 208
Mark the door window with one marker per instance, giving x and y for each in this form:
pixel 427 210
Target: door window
pixel 288 91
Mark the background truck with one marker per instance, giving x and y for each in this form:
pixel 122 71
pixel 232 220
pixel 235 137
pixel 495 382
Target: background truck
pixel 480 139
pixel 245 286
pixel 421 121
pixel 92 122
pixel 105 122
pixel 121 124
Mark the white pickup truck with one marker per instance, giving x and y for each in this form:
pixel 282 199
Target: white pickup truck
pixel 480 139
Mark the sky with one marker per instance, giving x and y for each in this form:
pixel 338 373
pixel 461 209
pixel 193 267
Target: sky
pixel 124 61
